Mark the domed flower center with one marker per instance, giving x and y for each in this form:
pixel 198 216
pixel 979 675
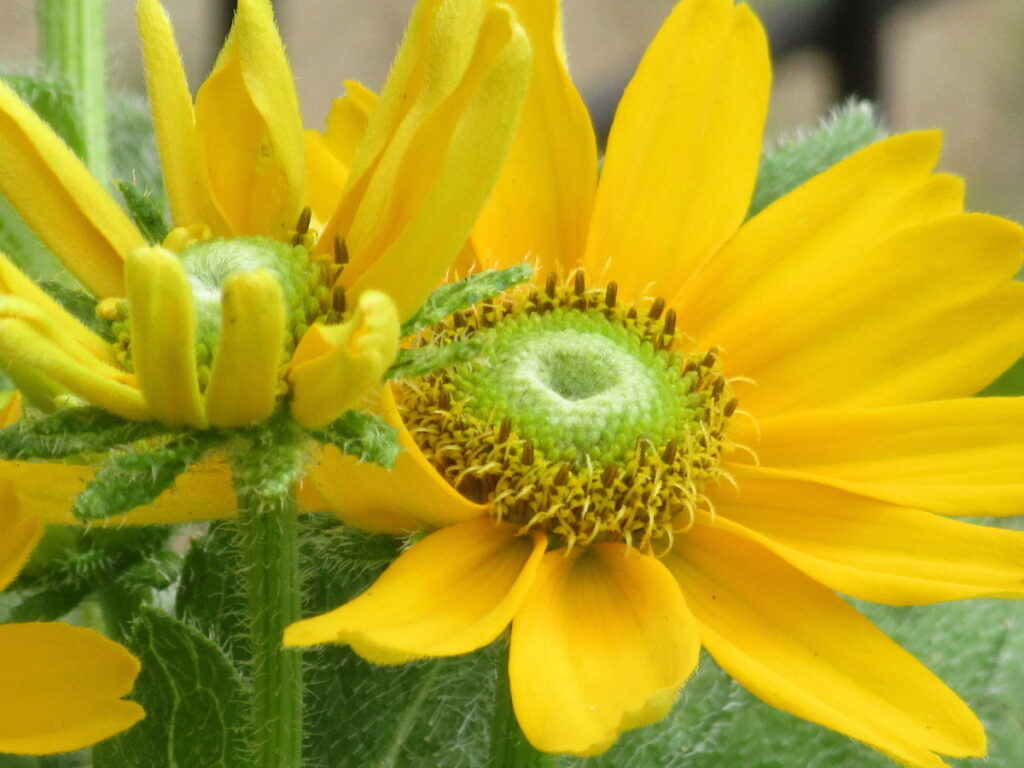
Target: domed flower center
pixel 580 418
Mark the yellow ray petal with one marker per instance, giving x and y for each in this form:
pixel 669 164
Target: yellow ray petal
pixel 325 176
pixel 451 593
pixel 245 377
pixel 62 688
pixel 954 457
pixel 420 217
pixel 336 366
pixel 174 121
pixel 830 220
pixel 65 206
pixel 872 550
pixel 683 150
pixel 540 207
pixel 602 643
pixel 12 408
pixel 204 492
pixel 250 128
pixel 162 314
pixel 348 119
pixel 18 534
pixel 800 648
pixel 862 332
pixel 410 497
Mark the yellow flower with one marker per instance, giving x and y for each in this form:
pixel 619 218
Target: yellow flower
pixel 594 477
pixel 242 304
pixel 60 686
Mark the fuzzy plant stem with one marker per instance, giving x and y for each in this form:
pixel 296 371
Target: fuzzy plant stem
pixel 509 747
pixel 73 45
pixel 266 465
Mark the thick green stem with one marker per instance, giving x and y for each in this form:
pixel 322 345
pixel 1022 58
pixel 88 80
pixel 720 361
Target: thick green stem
pixel 509 748
pixel 73 45
pixel 265 470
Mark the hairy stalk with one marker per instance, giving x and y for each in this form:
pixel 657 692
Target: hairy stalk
pixel 73 44
pixel 509 748
pixel 267 463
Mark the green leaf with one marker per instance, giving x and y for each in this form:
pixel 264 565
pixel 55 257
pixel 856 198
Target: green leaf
pixel 848 128
pixel 131 478
pixel 195 702
pixel 420 361
pixel 1010 384
pixel 146 211
pixel 454 297
pixel 73 431
pixel 363 435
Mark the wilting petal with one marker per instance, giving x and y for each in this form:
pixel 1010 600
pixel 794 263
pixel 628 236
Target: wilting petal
pixel 871 550
pixel 65 206
pixel 799 647
pixel 18 536
pixel 451 593
pixel 250 128
pixel 162 314
pixel 246 372
pixel 61 688
pixel 602 644
pixel 336 366
pixel 684 148
pixel 174 121
pixel 540 207
pixel 955 457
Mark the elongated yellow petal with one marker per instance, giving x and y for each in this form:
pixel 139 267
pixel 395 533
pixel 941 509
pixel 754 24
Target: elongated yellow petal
pixel 871 550
pixel 250 128
pixel 683 150
pixel 451 593
pixel 830 220
pixel 11 410
pixel 325 176
pixel 336 366
pixel 18 534
pixel 602 644
pixel 174 121
pixel 862 332
pixel 61 201
pixel 61 688
pixel 540 207
pixel 246 372
pixel 410 497
pixel 162 314
pixel 48 491
pixel 954 457
pixel 799 647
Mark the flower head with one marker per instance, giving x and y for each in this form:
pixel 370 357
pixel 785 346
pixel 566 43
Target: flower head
pixel 700 428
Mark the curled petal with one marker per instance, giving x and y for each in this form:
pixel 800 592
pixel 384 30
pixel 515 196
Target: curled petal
pixel 18 534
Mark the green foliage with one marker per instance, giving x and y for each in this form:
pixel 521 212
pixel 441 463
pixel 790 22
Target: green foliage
pixel 146 211
pixel 421 361
pixel 1010 384
pixel 849 128
pixel 454 297
pixel 195 702
pixel 363 435
pixel 73 431
pixel 55 102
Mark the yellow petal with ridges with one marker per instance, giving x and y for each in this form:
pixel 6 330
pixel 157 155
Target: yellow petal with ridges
pixel 250 128
pixel 954 457
pixel 174 121
pixel 451 593
pixel 802 649
pixel 162 313
pixel 58 197
pixel 540 207
pixel 602 643
pixel 336 366
pixel 683 151
pixel 246 372
pixel 62 688
pixel 871 550
pixel 18 535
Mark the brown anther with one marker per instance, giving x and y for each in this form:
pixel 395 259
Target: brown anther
pixel 609 475
pixel 730 407
pixel 527 457
pixel 550 285
pixel 631 315
pixel 690 367
pixel 669 454
pixel 504 430
pixel 717 388
pixel 709 358
pixel 444 400
pixel 302 225
pixel 670 322
pixel 340 250
pixel 656 308
pixel 579 283
pixel 563 475
pixel 611 294
pixel 458 321
pixel 338 301
pixel 520 508
pixel 641 447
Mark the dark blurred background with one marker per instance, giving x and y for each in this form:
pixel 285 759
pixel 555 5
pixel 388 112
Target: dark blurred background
pixel 952 64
